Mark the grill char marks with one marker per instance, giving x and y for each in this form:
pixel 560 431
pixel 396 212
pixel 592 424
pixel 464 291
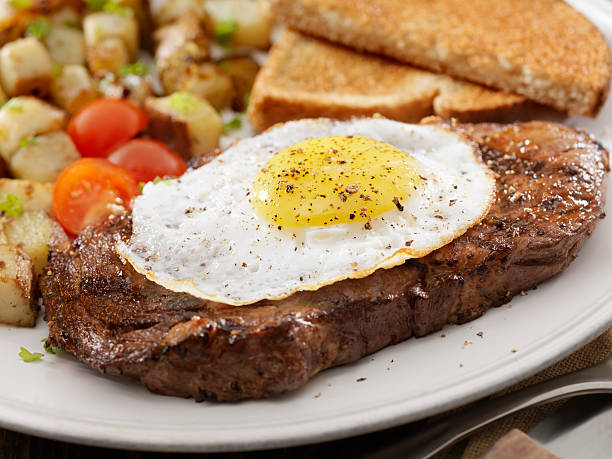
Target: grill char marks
pixel 550 195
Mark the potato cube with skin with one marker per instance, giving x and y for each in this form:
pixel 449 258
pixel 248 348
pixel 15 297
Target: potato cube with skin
pixel 241 22
pixel 73 88
pixel 242 70
pixel 17 306
pixel 99 27
pixel 25 67
pixel 31 232
pixel 31 195
pixel 66 45
pixel 43 158
pixel 108 55
pixel 23 117
pixel 209 82
pixel 188 124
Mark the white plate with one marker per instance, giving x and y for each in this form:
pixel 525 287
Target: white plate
pixel 62 399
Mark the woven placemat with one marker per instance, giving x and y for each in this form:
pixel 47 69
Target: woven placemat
pixel 475 446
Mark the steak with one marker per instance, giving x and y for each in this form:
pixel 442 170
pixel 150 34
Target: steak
pixel 550 194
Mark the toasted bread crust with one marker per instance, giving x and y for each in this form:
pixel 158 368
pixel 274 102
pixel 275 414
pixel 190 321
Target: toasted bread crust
pixel 310 78
pixel 542 49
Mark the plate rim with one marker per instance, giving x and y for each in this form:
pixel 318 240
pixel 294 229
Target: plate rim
pixel 28 421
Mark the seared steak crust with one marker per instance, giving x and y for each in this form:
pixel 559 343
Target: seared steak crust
pixel 550 194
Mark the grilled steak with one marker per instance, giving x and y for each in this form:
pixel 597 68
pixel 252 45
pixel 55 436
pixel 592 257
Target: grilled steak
pixel 550 195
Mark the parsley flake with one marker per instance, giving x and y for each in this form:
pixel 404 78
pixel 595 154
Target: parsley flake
pixel 224 32
pixel 20 4
pixel 28 356
pixel 27 141
pixel 38 28
pixel 232 125
pixel 11 205
pixel 138 68
pixel 113 6
pixel 57 70
pixel 15 105
pixel 183 102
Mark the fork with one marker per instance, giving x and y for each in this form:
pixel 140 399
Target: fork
pixel 438 433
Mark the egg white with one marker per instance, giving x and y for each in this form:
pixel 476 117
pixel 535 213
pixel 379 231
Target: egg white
pixel 199 234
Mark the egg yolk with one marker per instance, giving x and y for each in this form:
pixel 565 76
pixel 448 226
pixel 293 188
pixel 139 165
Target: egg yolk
pixel 331 180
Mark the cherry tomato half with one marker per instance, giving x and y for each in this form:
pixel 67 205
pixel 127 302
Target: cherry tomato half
pixel 89 190
pixel 104 124
pixel 147 159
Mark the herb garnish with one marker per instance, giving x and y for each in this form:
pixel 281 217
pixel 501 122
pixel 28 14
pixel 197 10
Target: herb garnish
pixel 137 68
pixel 164 181
pixel 38 28
pixel 28 356
pixel 183 102
pixel 232 125
pixel 224 31
pixel 15 105
pixel 20 4
pixel 11 205
pixel 31 140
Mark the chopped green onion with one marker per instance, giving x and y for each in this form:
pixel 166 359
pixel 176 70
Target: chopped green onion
pixel 57 70
pixel 164 181
pixel 11 205
pixel 28 356
pixel 137 68
pixel 15 105
pixel 113 6
pixel 27 141
pixel 183 102
pixel 247 99
pixel 38 28
pixel 48 348
pixel 141 186
pixel 20 4
pixel 232 125
pixel 224 31
pixel 95 5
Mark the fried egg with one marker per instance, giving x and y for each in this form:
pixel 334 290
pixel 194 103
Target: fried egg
pixel 307 204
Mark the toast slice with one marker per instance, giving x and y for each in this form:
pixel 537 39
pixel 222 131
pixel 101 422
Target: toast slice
pixel 309 78
pixel 542 49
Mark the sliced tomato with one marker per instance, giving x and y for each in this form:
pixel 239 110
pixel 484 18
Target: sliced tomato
pixel 147 159
pixel 89 190
pixel 104 124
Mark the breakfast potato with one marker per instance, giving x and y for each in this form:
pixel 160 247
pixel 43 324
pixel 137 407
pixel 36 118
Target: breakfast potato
pixel 32 195
pixel 110 55
pixel 209 82
pixel 66 45
pixel 66 17
pixel 31 232
pixel 102 26
pixel 242 70
pixel 44 157
pixel 132 87
pixel 241 22
pixel 17 306
pixel 23 117
pixel 73 88
pixel 166 11
pixel 26 67
pixel 187 123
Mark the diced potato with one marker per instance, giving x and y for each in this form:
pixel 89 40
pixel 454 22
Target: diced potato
pixel 188 124
pixel 66 45
pixel 32 195
pixel 17 306
pixel 73 88
pixel 66 17
pixel 99 27
pixel 12 22
pixel 210 83
pixel 31 232
pixel 242 70
pixel 166 11
pixel 246 22
pixel 23 117
pixel 44 157
pixel 108 55
pixel 26 67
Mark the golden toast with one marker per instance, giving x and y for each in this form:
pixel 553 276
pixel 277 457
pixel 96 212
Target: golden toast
pixel 307 78
pixel 542 49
